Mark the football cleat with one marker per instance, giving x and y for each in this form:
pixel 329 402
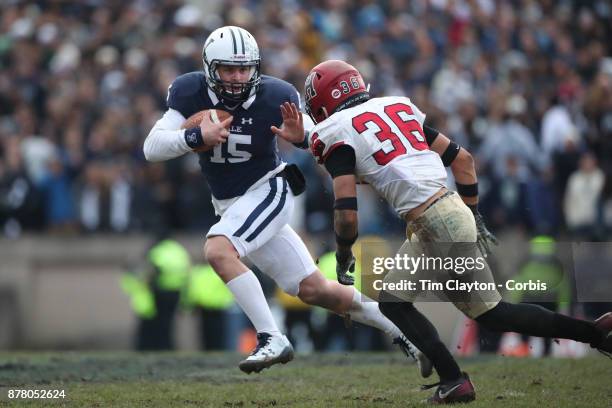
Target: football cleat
pixel 461 390
pixel 270 350
pixel 604 323
pixel 424 364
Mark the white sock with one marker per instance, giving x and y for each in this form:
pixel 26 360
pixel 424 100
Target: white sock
pixel 365 310
pixel 250 297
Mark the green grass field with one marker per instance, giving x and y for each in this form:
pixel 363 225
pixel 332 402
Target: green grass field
pixel 321 380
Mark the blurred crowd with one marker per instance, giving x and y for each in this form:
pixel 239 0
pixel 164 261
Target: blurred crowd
pixel 525 85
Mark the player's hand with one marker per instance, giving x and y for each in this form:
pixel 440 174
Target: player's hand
pixel 345 263
pixel 215 133
pixel 292 129
pixel 484 238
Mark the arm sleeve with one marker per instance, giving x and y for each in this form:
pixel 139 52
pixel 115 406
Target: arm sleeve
pixel 430 134
pixel 341 161
pixel 166 140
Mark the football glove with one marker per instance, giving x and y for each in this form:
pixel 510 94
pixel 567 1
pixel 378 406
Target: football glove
pixel 344 265
pixel 484 238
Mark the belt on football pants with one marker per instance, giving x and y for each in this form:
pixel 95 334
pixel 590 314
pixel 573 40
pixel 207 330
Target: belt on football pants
pixel 443 196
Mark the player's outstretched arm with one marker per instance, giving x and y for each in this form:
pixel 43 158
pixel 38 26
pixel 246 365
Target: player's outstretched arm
pixel 345 226
pixel 292 129
pixel 340 164
pixel 461 163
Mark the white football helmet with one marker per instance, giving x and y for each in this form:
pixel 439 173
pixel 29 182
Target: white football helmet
pixel 231 45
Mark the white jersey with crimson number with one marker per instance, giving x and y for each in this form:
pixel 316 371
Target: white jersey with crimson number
pixel 391 152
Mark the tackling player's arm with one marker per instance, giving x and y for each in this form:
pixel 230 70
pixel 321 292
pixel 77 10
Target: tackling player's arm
pixel 461 163
pixel 340 164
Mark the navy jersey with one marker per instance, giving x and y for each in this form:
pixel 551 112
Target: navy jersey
pixel 250 150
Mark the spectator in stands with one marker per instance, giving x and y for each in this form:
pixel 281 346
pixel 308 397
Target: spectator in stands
pixel 511 152
pixel 87 79
pixel 582 198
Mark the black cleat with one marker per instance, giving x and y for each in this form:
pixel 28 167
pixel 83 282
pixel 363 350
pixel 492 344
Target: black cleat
pixel 461 390
pixel 604 323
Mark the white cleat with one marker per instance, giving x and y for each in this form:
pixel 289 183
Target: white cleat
pixel 424 364
pixel 270 350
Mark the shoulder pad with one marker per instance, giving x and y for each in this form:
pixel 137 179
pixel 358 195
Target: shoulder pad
pixel 183 89
pixel 324 138
pixel 279 90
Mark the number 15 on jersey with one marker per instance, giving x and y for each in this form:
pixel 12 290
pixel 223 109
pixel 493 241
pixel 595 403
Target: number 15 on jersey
pixel 235 154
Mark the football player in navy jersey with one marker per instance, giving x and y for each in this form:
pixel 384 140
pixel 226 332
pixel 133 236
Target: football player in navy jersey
pixel 253 190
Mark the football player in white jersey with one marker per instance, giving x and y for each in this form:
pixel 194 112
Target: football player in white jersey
pixel 253 190
pixel 386 143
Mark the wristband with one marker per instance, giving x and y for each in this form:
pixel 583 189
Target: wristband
pixel 345 242
pixel 193 137
pixel 467 190
pixel 347 203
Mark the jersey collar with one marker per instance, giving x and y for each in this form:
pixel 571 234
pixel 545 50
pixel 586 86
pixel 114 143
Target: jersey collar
pixel 215 100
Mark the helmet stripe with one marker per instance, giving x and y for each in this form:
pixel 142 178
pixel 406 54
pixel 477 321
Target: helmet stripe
pixel 234 41
pixel 241 40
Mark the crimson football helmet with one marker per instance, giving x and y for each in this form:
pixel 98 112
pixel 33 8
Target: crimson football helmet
pixel 332 86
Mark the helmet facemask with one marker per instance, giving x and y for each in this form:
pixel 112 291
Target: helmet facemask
pixel 233 92
pixel 318 116
pixel 310 94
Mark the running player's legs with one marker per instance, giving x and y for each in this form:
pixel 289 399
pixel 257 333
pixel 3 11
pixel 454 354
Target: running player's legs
pixel 451 221
pixel 425 235
pixel 245 226
pixel 287 261
pixel 256 216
